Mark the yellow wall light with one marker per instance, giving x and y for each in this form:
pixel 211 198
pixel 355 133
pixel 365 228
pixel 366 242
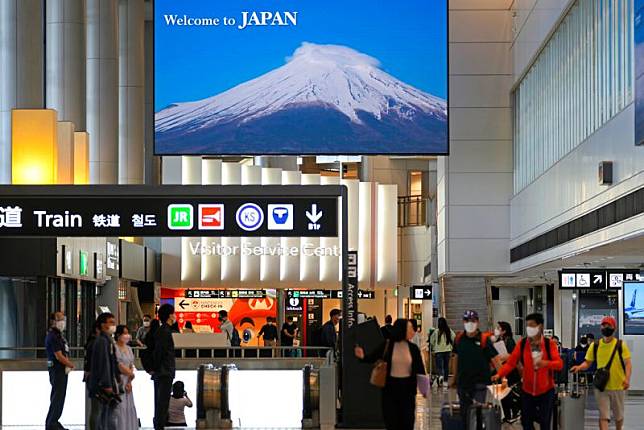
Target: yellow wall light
pixel 81 158
pixel 34 138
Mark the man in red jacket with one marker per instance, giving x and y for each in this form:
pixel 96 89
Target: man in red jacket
pixel 540 360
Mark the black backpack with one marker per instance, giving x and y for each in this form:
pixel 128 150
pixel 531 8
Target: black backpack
pixel 235 340
pixel 524 342
pixel 147 354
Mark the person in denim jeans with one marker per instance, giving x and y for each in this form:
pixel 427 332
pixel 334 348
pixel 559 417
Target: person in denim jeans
pixel 441 342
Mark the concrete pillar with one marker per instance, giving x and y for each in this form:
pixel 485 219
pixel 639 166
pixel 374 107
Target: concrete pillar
pixel 131 90
pixel 102 90
pixel 152 163
pixel 21 68
pixel 65 60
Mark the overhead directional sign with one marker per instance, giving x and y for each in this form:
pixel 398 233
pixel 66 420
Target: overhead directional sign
pixel 327 294
pixel 163 211
pixel 225 294
pixel 595 279
pixel 421 292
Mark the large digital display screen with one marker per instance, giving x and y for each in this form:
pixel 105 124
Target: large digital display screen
pixel 261 77
pixel 634 308
pixel 639 72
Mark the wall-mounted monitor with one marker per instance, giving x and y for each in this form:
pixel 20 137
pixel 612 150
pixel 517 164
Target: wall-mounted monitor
pixel 296 77
pixel 634 308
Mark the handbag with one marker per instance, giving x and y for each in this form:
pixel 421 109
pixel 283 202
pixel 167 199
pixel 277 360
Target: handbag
pixel 602 375
pixel 380 370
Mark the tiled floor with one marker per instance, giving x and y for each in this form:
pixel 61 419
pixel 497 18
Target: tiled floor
pixel 428 414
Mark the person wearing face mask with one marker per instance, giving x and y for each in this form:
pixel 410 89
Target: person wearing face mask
pixel 474 356
pixel 125 411
pixel 613 355
pixel 511 406
pixel 143 330
pixel 540 359
pixel 103 376
pixel 164 365
pixel 59 366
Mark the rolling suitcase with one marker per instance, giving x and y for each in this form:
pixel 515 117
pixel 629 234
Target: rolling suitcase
pixel 451 415
pixel 570 407
pixel 484 416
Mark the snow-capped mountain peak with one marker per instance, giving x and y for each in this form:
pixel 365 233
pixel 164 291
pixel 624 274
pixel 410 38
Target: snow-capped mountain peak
pixel 328 76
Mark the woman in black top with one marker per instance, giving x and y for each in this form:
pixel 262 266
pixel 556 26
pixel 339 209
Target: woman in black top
pixel 404 364
pixel 511 405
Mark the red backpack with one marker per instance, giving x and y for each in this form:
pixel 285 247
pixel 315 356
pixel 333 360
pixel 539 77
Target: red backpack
pixel 484 336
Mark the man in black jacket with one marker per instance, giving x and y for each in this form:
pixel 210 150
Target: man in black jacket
pixel 164 365
pixel 95 406
pixel 104 371
pixel 329 337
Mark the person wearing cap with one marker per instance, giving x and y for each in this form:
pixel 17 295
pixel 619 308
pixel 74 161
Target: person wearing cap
pixel 474 356
pixel 601 351
pixel 540 358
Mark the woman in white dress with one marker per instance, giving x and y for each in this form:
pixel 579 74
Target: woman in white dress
pixel 125 411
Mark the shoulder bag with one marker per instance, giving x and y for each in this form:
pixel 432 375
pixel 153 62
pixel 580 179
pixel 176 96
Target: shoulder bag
pixel 380 370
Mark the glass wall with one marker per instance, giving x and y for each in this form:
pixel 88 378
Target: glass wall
pixel 581 79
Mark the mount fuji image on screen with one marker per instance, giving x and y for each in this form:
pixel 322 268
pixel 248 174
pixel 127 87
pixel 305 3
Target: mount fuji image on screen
pixel 326 99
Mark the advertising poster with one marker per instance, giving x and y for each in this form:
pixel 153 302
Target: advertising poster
pixel 634 308
pixel 248 315
pixel 593 307
pixel 639 72
pixel 300 77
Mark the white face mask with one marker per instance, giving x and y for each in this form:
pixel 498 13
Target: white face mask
pixel 532 331
pixel 146 323
pixel 60 325
pixel 111 330
pixel 497 332
pixel 470 327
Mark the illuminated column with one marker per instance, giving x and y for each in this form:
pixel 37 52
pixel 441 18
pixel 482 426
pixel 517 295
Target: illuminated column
pixel 131 90
pixel 211 264
pixel 330 265
pixel 270 264
pixel 81 158
pixel 290 264
pixel 250 264
pixel 231 261
pixel 310 264
pixel 65 60
pixel 34 150
pixel 190 262
pixel 102 90
pixel 65 166
pixel 21 68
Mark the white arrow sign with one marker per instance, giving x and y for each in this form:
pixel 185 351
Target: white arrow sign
pixel 314 216
pixel 598 279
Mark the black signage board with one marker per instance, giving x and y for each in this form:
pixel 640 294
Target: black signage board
pixel 169 211
pixel 617 277
pixel 328 294
pixel 225 294
pixel 421 292
pixel 595 279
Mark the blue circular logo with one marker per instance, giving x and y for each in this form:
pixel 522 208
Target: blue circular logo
pixel 250 217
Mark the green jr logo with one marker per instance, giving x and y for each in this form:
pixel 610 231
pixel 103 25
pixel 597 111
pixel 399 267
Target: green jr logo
pixel 180 217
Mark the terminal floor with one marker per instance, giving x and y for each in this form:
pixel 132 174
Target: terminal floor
pixel 428 414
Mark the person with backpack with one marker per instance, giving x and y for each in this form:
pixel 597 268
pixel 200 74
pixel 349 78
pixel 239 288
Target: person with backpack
pixel 164 365
pixel 441 342
pixel 540 359
pixel 474 357
pixel 613 374
pixel 228 328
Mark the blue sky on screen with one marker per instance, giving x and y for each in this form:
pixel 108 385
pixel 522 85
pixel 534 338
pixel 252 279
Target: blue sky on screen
pixel 191 63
